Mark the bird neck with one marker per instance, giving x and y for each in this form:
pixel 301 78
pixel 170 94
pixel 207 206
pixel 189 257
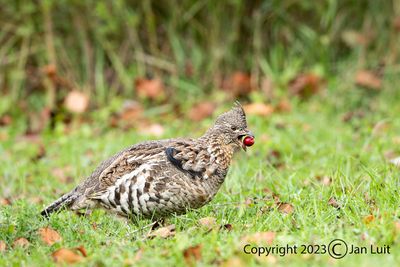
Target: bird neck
pixel 221 152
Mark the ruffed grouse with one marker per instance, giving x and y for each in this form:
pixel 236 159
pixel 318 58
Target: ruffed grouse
pixel 155 179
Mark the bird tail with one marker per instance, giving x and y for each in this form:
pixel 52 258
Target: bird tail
pixel 64 201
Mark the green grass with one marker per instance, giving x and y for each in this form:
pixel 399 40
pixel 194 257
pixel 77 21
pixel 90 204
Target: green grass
pixel 312 139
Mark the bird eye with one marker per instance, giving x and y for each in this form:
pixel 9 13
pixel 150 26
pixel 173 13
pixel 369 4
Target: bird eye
pixel 233 128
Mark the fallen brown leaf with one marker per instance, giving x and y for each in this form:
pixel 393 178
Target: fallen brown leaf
pixel 324 180
pixel 368 79
pixel 227 226
pixel 3 246
pixel 150 88
pixel 49 236
pixel 82 250
pixel 138 255
pixel 234 262
pixel 238 84
pixel 284 106
pixel 358 114
pixel 260 238
pixel 396 23
pixel 380 127
pixel 5 120
pixel 333 202
pixel 155 129
pixel 397 226
pixel 163 232
pixel 258 109
pixel 368 219
pixel 208 222
pixel 305 85
pixel 5 201
pixel 36 199
pixel 76 102
pixel 201 111
pixel 21 242
pixel 285 208
pixel 192 254
pixel 131 111
pixel 64 255
pixel 4 136
pixel 50 70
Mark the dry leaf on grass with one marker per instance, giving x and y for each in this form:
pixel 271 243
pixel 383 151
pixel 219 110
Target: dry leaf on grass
pixel 368 219
pixel 396 23
pixel 5 201
pixel 228 227
pixel 234 262
pixel 305 85
pixel 5 120
pixel 150 88
pixel 324 180
pixel 380 127
pixel 333 202
pixel 208 222
pixel 155 129
pixel 284 106
pixel 131 111
pixel 3 246
pixel 163 232
pixel 138 255
pixel 285 208
pixel 368 79
pixel 21 242
pixel 397 226
pixel 132 261
pixel 76 102
pixel 260 238
pixel 49 236
pixel 238 84
pixel 201 111
pixel 64 255
pixel 258 109
pixel 82 250
pixel 192 254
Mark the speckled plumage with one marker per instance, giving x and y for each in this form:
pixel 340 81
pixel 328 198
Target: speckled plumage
pixel 155 179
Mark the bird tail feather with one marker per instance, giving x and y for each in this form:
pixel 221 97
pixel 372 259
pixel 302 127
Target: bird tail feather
pixel 64 201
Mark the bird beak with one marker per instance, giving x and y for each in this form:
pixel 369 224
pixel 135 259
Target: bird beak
pixel 249 133
pixel 245 133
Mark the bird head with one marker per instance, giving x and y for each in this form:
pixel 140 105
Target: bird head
pixel 231 127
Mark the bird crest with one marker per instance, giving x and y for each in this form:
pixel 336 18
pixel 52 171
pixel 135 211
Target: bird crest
pixel 234 116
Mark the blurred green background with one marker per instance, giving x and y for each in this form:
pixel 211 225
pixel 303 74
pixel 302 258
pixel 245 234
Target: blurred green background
pixel 252 49
pixel 80 80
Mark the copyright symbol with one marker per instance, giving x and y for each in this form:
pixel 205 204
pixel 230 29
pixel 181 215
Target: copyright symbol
pixel 337 249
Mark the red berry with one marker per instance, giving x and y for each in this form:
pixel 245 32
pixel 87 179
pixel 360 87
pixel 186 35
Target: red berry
pixel 248 141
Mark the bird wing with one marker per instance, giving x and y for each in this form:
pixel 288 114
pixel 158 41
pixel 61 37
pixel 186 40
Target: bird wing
pixel 191 158
pixel 128 160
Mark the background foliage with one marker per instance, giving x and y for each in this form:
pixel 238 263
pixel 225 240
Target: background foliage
pixel 102 47
pixel 81 80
